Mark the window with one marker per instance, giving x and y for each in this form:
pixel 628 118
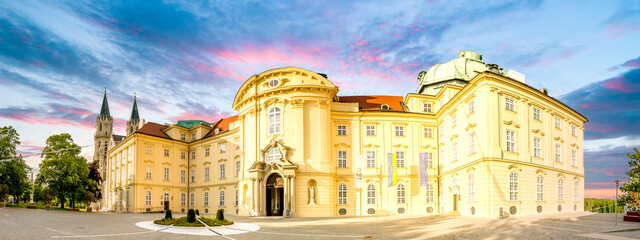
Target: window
pixel 371 159
pixel 166 174
pixel 273 83
pixel 558 123
pixel 400 159
pixel 428 132
pixel 148 175
pixel 342 159
pixel 183 137
pixel 193 136
pixel 575 190
pixel 371 130
pixel 147 198
pixel 193 175
pixel 536 114
pixel 342 130
pixel 192 199
pixel 472 143
pixel 454 151
pixel 513 186
pixel 573 130
pixel 510 104
pixel 454 185
pixel 223 170
pixel 274 155
pixel 183 199
pixel 537 147
pixel 574 157
pixel 206 174
pixel 221 198
pixel 470 107
pixel 511 141
pixel 223 148
pixel 371 194
pixel 472 188
pixel 206 199
pixel 558 153
pixel 166 196
pixel 560 189
pixel 206 152
pixel 183 155
pixel 441 102
pixel 149 149
pixel 236 203
pixel 237 168
pixel 540 188
pixel 399 131
pixel 441 129
pixel 429 157
pixel 441 157
pixel 166 152
pixel 401 194
pixel 429 193
pixel 183 176
pixel 342 195
pixel 454 120
pixel 274 120
pixel 426 107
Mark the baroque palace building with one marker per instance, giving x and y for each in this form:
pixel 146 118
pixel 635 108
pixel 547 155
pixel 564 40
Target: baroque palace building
pixel 490 146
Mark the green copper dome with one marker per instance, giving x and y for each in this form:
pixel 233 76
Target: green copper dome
pixel 464 68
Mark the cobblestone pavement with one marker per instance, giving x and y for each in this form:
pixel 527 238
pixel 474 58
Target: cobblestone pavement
pixel 19 223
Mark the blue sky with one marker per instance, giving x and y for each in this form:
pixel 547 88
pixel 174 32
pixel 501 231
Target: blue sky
pixel 186 60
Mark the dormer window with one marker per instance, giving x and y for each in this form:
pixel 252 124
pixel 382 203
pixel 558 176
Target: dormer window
pixel 193 136
pixel 384 107
pixel 216 131
pixel 273 83
pixel 183 137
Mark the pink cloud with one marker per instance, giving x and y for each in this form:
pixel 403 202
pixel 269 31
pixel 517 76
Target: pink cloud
pixel 617 30
pixel 621 85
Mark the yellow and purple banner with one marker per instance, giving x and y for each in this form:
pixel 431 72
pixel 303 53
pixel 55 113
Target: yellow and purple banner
pixel 393 169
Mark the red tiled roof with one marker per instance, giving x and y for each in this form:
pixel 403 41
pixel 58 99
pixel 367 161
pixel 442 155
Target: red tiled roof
pixel 222 124
pixel 373 103
pixel 153 129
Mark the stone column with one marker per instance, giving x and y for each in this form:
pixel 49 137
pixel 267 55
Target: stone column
pixel 286 194
pixel 293 195
pixel 255 195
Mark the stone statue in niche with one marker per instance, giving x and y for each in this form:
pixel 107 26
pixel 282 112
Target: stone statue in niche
pixel 312 196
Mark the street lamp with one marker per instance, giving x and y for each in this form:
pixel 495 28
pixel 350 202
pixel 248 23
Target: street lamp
pixel 615 206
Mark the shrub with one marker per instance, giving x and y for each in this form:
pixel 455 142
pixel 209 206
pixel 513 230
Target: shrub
pixel 220 214
pixel 167 214
pixel 197 212
pixel 191 216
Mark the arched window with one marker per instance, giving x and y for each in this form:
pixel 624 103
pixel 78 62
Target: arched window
pixel 206 199
pixel 454 185
pixel 221 198
pixel 342 194
pixel 371 194
pixel 274 120
pixel 560 189
pixel 472 188
pixel 183 199
pixel 513 186
pixel 274 155
pixel 401 195
pixel 575 190
pixel 540 188
pixel 429 193
pixel 166 197
pixel 192 200
pixel 236 197
pixel 147 198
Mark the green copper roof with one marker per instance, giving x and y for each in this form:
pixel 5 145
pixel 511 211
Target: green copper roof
pixel 467 66
pixel 104 111
pixel 135 117
pixel 192 123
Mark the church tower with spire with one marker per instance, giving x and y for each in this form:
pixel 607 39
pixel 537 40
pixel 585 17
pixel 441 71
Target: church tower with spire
pixel 102 137
pixel 134 121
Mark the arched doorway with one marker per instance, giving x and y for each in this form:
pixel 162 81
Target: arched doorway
pixel 275 195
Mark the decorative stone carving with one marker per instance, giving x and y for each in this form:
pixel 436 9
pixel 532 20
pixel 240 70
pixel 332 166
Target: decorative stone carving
pixel 312 196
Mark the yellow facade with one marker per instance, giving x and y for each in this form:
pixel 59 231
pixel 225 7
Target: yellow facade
pixel 322 139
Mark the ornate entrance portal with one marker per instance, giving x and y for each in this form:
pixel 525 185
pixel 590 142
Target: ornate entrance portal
pixel 275 195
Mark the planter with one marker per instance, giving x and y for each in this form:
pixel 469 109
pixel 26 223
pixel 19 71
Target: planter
pixel 74 209
pixel 32 207
pixel 88 209
pixel 3 204
pixel 47 207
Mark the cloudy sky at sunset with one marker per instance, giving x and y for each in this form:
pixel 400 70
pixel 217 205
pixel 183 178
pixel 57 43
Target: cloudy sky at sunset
pixel 186 60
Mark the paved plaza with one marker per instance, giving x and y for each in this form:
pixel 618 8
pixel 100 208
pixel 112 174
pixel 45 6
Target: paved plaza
pixel 19 223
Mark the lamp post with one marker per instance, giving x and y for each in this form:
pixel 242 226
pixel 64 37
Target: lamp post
pixel 615 206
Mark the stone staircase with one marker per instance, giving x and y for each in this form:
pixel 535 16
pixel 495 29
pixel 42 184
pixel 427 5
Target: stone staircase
pixel 632 217
pixel 450 213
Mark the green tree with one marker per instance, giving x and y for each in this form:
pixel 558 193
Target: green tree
pixel 63 170
pixel 94 174
pixel 13 169
pixel 37 193
pixel 631 190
